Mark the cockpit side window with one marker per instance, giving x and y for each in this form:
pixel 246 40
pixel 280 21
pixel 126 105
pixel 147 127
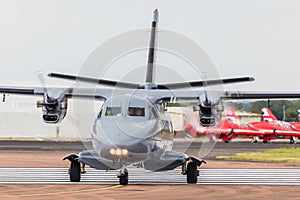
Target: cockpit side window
pixel 113 111
pixel 100 113
pixel 136 111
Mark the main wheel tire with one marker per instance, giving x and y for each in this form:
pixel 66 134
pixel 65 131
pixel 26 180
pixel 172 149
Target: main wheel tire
pixel 293 140
pixel 75 171
pixel 123 180
pixel 254 140
pixel 191 173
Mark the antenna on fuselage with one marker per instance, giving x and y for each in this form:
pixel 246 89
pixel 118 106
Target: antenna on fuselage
pixel 152 47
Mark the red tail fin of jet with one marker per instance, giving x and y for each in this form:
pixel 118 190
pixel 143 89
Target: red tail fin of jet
pixel 231 113
pixel 268 115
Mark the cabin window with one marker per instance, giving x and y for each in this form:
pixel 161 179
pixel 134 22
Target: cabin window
pixel 113 111
pixel 136 111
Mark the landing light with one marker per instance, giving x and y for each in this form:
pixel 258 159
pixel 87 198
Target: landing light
pixel 124 151
pixel 118 151
pixel 112 151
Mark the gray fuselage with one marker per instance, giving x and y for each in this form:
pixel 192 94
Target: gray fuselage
pixel 130 129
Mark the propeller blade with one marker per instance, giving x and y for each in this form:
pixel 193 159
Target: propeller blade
pixel 42 81
pixel 63 94
pixel 206 98
pixel 50 98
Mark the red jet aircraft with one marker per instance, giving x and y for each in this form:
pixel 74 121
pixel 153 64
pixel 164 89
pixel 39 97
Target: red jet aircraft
pixel 273 128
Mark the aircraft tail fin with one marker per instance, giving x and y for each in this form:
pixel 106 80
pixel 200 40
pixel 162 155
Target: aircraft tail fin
pixel 152 47
pixel 150 73
pixel 267 115
pixel 231 113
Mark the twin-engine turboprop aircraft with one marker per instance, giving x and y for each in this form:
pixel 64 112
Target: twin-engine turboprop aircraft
pixel 132 126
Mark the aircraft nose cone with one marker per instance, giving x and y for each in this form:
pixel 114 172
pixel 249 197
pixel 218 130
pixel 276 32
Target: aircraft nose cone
pixel 124 131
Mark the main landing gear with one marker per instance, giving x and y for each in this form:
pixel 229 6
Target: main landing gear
pixel 293 140
pixel 76 168
pixel 190 169
pixel 255 139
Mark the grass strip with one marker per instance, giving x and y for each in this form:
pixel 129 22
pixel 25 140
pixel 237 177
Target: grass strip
pixel 284 155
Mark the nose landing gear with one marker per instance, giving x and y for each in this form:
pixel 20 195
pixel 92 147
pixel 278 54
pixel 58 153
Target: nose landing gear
pixel 123 176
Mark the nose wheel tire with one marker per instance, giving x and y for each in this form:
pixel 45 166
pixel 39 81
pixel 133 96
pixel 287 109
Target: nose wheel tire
pixel 75 171
pixel 191 173
pixel 123 178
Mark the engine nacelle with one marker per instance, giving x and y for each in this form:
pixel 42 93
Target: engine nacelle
pixel 209 114
pixel 53 112
pixel 208 120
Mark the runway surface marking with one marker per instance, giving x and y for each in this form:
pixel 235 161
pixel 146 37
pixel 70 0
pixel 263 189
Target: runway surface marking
pixel 71 192
pixel 140 176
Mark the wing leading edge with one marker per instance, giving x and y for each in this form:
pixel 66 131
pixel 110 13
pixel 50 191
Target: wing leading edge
pixel 260 95
pixel 69 92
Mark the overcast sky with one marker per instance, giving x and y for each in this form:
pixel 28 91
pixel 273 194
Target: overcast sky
pixel 250 37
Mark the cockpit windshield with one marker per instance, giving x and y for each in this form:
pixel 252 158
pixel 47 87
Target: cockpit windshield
pixel 136 111
pixel 113 111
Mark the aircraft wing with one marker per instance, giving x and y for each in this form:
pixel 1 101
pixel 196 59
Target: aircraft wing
pixel 247 132
pixel 104 93
pixel 21 90
pixel 90 93
pixel 194 95
pixel 157 96
pixel 261 95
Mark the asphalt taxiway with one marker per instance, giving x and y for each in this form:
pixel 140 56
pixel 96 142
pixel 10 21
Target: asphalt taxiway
pixel 35 170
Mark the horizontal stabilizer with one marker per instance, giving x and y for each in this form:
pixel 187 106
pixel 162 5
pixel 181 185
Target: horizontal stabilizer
pixel 95 81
